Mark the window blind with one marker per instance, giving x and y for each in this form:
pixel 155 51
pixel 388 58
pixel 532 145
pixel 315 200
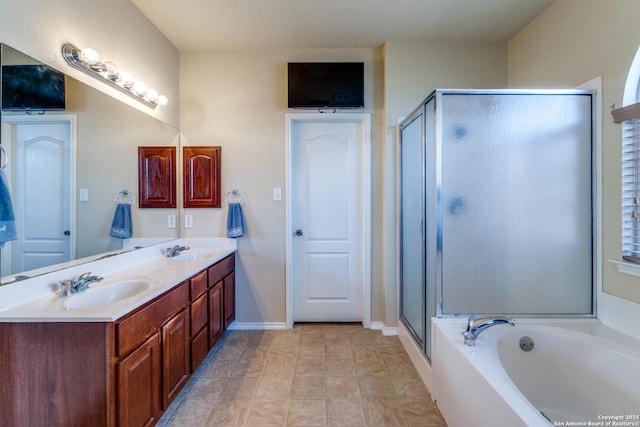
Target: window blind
pixel 629 116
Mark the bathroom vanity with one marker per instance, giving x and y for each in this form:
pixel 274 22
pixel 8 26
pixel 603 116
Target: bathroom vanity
pixel 82 362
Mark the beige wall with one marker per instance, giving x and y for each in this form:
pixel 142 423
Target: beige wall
pixel 115 28
pixel 238 100
pixel 571 42
pixel 412 71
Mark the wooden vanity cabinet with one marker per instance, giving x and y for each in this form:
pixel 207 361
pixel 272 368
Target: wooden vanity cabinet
pixel 199 319
pixel 223 272
pixel 113 374
pixel 221 297
pixel 138 379
pixel 155 357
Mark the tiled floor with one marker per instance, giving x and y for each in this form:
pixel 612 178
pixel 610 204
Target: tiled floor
pixel 311 375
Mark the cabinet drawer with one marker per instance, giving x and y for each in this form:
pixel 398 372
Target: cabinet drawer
pixel 130 332
pixel 199 349
pixel 198 314
pixel 221 269
pixel 198 284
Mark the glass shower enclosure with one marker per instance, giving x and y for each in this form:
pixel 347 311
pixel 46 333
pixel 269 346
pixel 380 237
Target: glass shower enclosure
pixel 496 206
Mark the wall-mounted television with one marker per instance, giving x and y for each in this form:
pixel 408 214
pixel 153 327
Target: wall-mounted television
pixel 326 84
pixel 32 87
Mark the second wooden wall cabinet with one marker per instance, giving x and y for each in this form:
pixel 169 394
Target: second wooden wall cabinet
pixel 201 177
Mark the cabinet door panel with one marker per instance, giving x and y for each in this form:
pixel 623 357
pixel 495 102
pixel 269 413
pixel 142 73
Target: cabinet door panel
pixel 229 299
pixel 199 349
pixel 157 177
pixel 201 168
pixel 176 358
pixel 138 389
pixel 216 314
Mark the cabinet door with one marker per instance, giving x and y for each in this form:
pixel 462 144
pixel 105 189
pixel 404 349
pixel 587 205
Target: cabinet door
pixel 157 177
pixel 176 358
pixel 216 315
pixel 138 390
pixel 229 299
pixel 201 169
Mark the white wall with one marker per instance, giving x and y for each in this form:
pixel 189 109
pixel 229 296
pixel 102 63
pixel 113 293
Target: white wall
pixel 115 28
pixel 571 42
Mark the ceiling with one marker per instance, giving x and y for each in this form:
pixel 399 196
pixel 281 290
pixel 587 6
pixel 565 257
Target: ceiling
pixel 212 25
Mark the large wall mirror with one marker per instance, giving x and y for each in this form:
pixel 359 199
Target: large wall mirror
pixel 66 171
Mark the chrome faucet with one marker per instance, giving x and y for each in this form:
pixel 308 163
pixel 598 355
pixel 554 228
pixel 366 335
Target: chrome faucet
pixel 475 326
pixel 174 251
pixel 73 286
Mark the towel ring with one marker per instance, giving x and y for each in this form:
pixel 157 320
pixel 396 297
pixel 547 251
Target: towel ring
pixel 125 193
pixel 239 198
pixel 5 160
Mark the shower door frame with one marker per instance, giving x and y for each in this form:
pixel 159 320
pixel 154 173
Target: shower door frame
pixel 596 208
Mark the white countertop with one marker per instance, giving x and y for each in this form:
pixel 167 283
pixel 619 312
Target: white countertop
pixel 37 299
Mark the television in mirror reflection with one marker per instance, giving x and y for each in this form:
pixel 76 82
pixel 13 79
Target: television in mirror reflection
pixel 98 161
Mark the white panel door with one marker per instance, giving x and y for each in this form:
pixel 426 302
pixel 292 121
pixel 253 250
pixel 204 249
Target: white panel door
pixel 327 221
pixel 41 184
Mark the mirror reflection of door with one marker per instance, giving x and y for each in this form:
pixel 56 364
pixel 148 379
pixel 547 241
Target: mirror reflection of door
pixel 40 179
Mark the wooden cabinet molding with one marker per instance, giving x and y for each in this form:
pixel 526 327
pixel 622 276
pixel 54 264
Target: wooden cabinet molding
pixel 201 177
pixel 157 177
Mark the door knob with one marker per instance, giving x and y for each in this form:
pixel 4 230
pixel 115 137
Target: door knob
pixel 298 232
pixel 67 233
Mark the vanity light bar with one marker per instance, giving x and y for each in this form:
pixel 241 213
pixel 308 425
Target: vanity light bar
pixel 88 61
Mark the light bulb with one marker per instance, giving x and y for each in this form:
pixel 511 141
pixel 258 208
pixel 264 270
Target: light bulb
pixel 151 95
pixel 162 100
pixel 139 87
pixel 125 80
pixel 89 56
pixel 110 70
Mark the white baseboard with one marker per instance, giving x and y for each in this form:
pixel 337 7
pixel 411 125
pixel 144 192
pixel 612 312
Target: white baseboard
pixel 257 326
pixel 386 330
pixel 265 326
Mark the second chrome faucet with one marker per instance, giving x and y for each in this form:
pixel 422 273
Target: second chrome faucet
pixel 475 326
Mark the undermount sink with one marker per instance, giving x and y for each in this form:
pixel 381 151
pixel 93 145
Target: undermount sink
pixel 107 293
pixel 193 255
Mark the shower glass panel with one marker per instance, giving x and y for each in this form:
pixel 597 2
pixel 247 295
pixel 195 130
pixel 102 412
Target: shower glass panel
pixel 517 209
pixel 412 224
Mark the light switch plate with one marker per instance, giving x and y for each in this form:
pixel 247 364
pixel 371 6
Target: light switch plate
pixel 188 221
pixel 171 221
pixel 84 194
pixel 277 194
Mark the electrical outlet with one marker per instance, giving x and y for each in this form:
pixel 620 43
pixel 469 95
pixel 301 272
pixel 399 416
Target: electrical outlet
pixel 171 221
pixel 188 221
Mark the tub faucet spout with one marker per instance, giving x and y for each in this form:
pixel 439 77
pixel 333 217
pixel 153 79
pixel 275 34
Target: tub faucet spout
pixel 475 326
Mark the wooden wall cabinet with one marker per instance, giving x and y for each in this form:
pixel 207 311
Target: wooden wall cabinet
pixel 113 374
pixel 157 177
pixel 201 177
